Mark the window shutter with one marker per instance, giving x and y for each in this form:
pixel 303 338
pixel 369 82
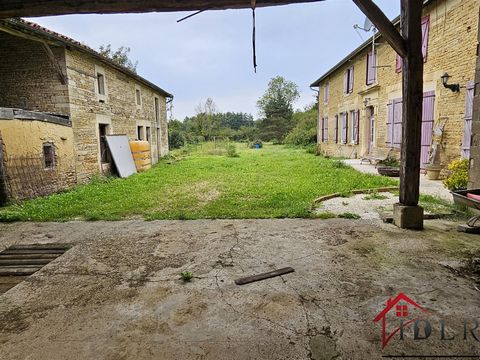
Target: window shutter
pixel 397 123
pixel 344 127
pixel 425 35
pixel 399 64
pixel 371 70
pixel 345 82
pixel 350 80
pixel 467 131
pixel 336 129
pixel 390 124
pixel 325 93
pixel 326 129
pixel 357 128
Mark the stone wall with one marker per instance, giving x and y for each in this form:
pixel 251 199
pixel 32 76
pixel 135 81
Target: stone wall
pixel 28 80
pixel 117 108
pixel 451 48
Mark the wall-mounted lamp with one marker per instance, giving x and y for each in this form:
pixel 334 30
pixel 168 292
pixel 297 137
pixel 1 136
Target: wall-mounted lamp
pixel 453 87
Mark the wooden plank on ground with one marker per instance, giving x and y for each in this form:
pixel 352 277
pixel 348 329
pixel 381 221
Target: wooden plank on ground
pixel 263 276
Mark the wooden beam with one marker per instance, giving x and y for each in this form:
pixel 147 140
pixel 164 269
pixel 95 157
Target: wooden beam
pixel 411 14
pixel 33 8
pixel 384 25
pixel 56 65
pixel 263 276
pixel 3 176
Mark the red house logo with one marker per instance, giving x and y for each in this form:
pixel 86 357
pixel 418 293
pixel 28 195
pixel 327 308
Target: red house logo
pixel 400 308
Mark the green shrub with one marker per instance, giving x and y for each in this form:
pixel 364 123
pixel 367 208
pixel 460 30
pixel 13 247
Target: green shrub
pixel 390 161
pixel 458 178
pixel 277 142
pixel 301 136
pixel 186 276
pixel 348 215
pixel 339 164
pixel 232 150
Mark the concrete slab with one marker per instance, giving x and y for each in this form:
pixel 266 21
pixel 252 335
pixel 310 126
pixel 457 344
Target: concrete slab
pixel 427 187
pixel 117 294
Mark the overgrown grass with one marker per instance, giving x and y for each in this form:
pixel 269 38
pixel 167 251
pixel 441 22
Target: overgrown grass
pixel 273 182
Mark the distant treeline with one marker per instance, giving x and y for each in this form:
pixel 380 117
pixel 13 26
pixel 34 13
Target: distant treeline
pixel 279 123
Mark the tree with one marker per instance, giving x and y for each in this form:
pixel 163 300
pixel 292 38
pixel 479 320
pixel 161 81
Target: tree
pixel 276 107
pixel 119 56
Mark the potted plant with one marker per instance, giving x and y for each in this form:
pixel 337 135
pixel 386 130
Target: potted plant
pixel 433 171
pixel 389 167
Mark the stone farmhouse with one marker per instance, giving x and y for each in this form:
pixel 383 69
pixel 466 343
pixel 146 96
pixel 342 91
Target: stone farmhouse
pixel 360 98
pixel 58 100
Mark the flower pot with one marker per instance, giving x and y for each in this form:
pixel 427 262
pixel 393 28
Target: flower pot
pixel 433 171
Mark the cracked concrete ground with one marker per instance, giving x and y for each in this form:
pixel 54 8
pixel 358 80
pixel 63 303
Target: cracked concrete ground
pixel 117 294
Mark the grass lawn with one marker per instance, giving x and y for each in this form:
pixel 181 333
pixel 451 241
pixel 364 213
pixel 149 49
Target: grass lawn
pixel 273 182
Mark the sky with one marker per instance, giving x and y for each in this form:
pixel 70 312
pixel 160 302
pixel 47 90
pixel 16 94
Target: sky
pixel 210 54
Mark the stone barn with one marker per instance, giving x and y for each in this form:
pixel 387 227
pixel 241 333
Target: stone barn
pixel 58 100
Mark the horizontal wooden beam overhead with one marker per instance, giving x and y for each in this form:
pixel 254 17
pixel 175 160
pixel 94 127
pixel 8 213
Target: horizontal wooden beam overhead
pixel 33 8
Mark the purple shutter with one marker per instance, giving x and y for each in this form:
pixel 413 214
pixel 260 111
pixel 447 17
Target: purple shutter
pixel 350 80
pixel 321 127
pixel 399 64
pixel 336 129
pixel 428 115
pixel 357 128
pixel 390 124
pixel 467 130
pixel 326 129
pixel 345 82
pixel 397 123
pixel 325 93
pixel 425 33
pixel 344 127
pixel 371 70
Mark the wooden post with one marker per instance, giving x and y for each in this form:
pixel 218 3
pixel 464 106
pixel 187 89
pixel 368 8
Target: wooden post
pixel 3 180
pixel 411 15
pixel 407 213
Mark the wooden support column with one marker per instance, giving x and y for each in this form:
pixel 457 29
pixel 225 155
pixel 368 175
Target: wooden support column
pixel 408 44
pixel 411 28
pixel 3 177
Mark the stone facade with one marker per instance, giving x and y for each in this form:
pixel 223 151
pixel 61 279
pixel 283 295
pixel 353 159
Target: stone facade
pixel 46 72
pixel 451 47
pixel 117 109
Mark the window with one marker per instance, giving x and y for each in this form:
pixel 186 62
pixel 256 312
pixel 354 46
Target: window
pixel 140 133
pixel 348 81
pixel 101 83
pixel 344 127
pixel 425 38
pixel 336 129
pixel 157 110
pixel 48 156
pixel 371 67
pixel 147 133
pixel 104 152
pixel 138 97
pixel 325 93
pixel 401 310
pixel 355 115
